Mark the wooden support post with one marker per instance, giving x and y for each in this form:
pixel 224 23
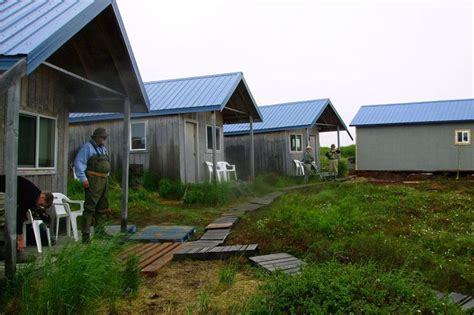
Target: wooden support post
pixel 125 163
pixel 214 143
pixel 307 137
pixel 252 150
pixel 11 162
pixel 338 141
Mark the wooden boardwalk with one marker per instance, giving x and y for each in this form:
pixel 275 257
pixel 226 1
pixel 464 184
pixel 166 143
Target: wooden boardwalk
pixel 466 302
pixel 152 256
pixel 278 262
pixel 224 222
pixel 215 252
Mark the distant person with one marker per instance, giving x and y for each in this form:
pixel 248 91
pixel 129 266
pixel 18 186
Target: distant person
pixel 29 197
pixel 92 166
pixel 308 161
pixel 333 156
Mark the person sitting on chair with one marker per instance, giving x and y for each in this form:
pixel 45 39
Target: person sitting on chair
pixel 29 197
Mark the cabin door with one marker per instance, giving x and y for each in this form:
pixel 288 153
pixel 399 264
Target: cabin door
pixel 190 151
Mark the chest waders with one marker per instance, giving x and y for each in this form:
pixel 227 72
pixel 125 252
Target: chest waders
pixel 333 163
pixel 96 196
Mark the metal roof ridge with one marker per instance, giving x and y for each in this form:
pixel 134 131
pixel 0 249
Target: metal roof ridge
pixel 422 102
pixel 297 102
pixel 192 78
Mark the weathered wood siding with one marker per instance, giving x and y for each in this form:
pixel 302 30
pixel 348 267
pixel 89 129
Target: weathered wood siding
pixel 42 92
pixel 165 151
pixel 426 148
pixel 272 152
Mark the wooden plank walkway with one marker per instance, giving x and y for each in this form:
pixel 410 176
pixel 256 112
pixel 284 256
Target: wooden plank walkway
pixel 215 235
pixel 466 302
pixel 216 252
pixel 278 262
pixel 224 222
pixel 164 233
pixel 152 256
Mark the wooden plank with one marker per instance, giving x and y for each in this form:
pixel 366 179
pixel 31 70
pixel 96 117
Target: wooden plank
pixel 130 249
pixel 468 304
pixel 217 226
pixel 279 261
pixel 263 258
pixel 12 75
pixel 202 243
pixel 153 251
pixel 162 253
pixel 140 250
pixel 457 298
pixel 154 267
pixel 125 163
pixel 226 219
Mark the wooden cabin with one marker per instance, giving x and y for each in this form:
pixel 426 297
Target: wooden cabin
pixel 57 58
pixel 287 129
pixel 175 139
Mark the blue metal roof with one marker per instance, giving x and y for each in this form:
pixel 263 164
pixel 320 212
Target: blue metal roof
pixel 184 95
pixel 285 116
pixel 36 29
pixel 415 113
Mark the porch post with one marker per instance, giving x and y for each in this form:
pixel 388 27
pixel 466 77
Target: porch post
pixel 125 163
pixel 252 150
pixel 214 143
pixel 11 162
pixel 338 140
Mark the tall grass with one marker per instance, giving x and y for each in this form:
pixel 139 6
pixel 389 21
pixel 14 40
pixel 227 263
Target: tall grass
pixel 77 280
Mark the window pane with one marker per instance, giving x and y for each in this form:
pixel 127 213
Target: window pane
pixel 46 143
pixel 209 137
pixel 138 136
pixel 298 143
pixel 27 141
pixel 218 138
pixel 459 136
pixel 466 136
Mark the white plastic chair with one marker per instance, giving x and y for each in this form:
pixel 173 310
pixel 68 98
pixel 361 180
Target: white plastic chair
pixel 60 211
pixel 299 167
pixel 227 169
pixel 36 230
pixel 61 202
pixel 220 172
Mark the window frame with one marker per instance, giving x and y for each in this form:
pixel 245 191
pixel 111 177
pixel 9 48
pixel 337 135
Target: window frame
pixel 38 117
pixel 145 122
pixel 468 131
pixel 289 139
pixel 220 140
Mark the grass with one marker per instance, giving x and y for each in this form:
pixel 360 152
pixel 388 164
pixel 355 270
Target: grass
pixel 330 288
pixel 75 280
pixel 425 229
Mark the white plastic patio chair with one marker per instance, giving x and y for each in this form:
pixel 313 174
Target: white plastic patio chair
pixel 62 203
pixel 226 168
pixel 36 230
pixel 210 169
pixel 299 167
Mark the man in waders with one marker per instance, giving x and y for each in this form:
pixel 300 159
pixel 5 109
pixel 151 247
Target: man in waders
pixel 92 165
pixel 333 156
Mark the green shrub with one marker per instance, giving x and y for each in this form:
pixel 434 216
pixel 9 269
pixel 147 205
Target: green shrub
pixel 209 194
pixel 171 189
pixel 76 280
pixel 359 289
pixel 150 181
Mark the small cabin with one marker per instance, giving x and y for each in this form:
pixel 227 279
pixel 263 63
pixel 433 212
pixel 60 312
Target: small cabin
pixel 433 136
pixel 287 129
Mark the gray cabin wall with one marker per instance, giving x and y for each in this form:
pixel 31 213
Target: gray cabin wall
pixel 426 148
pixel 43 93
pixel 272 152
pixel 162 143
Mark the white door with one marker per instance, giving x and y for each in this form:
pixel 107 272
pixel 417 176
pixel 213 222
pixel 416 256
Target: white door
pixel 190 146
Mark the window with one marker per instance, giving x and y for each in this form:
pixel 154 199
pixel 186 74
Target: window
pixel 36 141
pixel 462 136
pixel 296 143
pixel 209 138
pixel 138 136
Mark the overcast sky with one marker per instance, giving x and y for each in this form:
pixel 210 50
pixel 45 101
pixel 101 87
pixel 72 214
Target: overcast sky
pixel 353 52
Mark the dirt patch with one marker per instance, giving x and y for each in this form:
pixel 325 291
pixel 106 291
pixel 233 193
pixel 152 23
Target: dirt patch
pixel 186 286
